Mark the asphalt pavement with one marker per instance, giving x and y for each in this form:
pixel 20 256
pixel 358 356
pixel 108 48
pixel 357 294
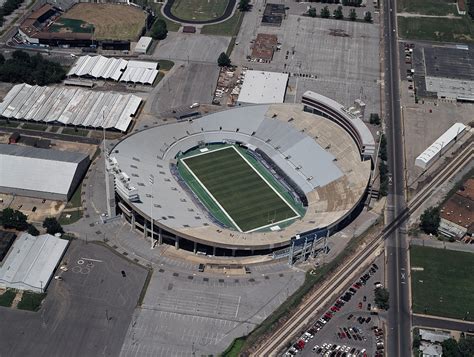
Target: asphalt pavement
pixel 399 318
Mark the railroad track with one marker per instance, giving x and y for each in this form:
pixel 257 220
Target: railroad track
pixel 309 309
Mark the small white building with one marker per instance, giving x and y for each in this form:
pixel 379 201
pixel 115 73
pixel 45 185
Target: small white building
pixel 432 153
pixel 143 45
pixel 31 261
pixel 262 87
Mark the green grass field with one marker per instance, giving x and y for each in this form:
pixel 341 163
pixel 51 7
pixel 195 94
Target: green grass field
pixel 6 299
pixel 445 286
pixel 427 7
pixel 71 25
pixel 436 29
pixel 31 301
pixel 200 10
pixel 250 201
pixel 227 28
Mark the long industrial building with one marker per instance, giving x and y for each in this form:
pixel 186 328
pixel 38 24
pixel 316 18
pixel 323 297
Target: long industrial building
pixel 40 173
pixel 115 69
pixel 75 107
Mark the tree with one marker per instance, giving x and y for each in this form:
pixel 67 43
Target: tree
pixel 383 148
pixel 450 348
pixel 223 60
pixel 338 15
pixel 32 230
pixel 159 30
pixel 52 226
pixel 352 15
pixel 312 12
pixel 368 16
pixel 325 12
pixel 13 219
pixel 374 119
pixel 381 298
pixel 2 59
pixel 244 5
pixel 429 220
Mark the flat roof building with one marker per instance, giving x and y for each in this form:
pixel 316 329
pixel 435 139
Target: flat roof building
pixel 264 47
pixel 262 87
pixel 31 262
pixel 40 173
pixel 143 45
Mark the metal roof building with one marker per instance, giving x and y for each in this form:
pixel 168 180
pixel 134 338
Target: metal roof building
pixel 143 44
pixel 100 67
pixel 31 262
pixel 140 72
pixel 433 152
pixel 70 106
pixel 262 87
pixel 40 173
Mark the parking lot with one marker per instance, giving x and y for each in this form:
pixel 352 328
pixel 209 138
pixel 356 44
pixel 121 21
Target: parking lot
pixel 351 326
pixel 87 313
pixel 192 313
pixel 339 59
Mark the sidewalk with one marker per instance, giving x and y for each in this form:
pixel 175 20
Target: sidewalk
pixel 461 247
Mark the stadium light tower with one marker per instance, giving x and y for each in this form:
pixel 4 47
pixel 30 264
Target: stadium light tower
pixel 152 183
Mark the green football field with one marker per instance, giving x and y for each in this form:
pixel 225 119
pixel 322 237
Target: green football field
pixel 247 199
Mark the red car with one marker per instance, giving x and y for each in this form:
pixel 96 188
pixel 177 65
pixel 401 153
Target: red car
pixel 334 309
pixel 301 344
pixel 356 286
pixel 360 305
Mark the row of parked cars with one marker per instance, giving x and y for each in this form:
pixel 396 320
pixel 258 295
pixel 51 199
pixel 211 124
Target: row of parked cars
pixel 379 351
pixel 328 315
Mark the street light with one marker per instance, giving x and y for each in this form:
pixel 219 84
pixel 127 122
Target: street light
pixel 152 182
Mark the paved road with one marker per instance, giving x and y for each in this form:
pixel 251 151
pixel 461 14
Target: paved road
pixel 440 323
pixel 399 329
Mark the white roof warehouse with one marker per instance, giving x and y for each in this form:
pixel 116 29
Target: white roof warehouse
pixel 40 173
pixel 31 261
pixel 70 106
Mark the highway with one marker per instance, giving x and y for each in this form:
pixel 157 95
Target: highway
pixel 396 246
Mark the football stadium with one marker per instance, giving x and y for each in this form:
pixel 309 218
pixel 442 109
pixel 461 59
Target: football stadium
pixel 245 181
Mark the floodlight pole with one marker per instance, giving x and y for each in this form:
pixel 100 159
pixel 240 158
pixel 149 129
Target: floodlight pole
pixel 152 182
pixel 107 193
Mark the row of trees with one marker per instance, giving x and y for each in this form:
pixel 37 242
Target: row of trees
pixel 338 14
pixel 23 68
pixel 383 168
pixel 244 5
pixel 14 219
pixel 8 7
pixel 356 3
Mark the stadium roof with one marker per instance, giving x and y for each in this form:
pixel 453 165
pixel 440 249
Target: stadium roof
pixel 31 262
pixel 40 170
pixel 261 87
pixel 114 68
pixel 70 106
pixel 424 159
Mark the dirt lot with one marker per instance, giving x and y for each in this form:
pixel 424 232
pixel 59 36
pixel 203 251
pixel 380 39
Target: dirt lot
pixel 111 21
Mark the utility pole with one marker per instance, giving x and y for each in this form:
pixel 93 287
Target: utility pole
pixel 152 182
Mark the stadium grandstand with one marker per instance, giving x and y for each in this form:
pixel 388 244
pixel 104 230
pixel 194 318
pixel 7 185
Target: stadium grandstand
pixel 100 67
pixel 70 106
pixel 34 30
pixel 309 179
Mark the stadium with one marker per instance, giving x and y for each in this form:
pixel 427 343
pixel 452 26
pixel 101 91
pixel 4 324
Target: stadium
pixel 245 181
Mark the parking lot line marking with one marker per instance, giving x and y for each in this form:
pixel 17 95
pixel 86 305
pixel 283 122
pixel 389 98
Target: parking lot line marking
pixel 93 260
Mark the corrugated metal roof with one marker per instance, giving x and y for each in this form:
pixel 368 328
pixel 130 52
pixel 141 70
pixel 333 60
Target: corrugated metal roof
pixel 72 106
pixel 139 75
pixel 31 262
pixel 36 169
pixel 107 68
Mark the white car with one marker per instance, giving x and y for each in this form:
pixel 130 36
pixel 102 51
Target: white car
pixel 57 277
pixel 194 105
